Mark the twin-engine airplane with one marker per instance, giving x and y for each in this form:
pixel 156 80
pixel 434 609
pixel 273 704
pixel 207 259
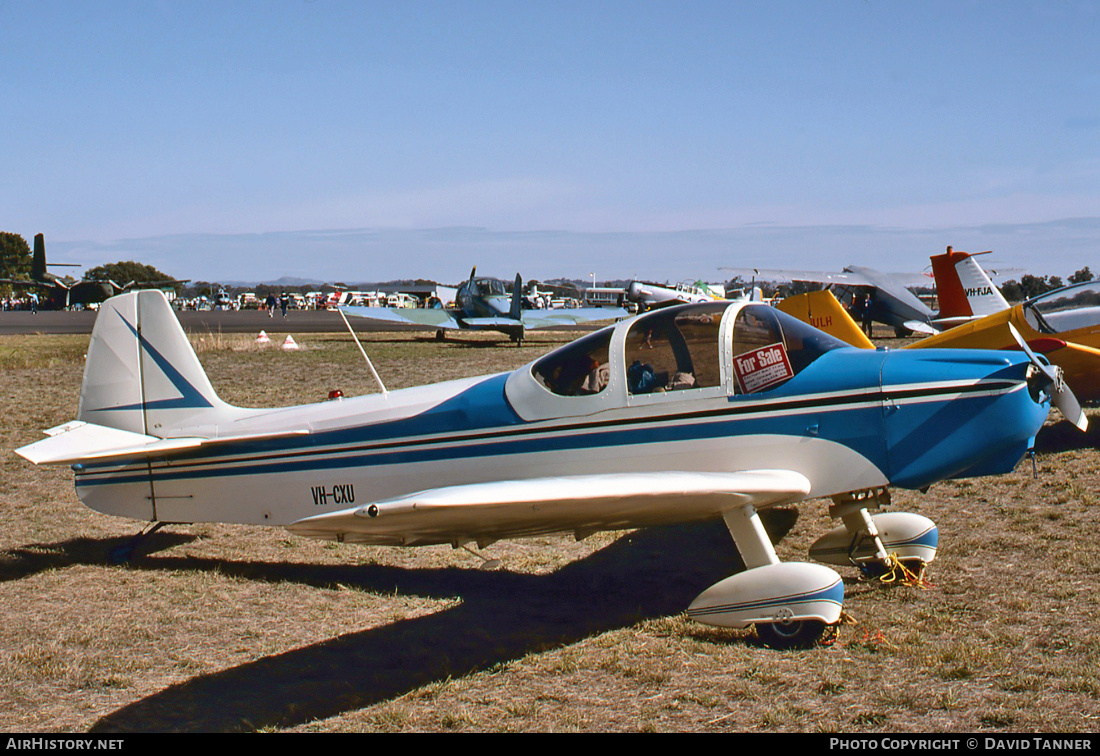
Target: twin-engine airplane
pixel 62 293
pixel 694 412
pixel 483 304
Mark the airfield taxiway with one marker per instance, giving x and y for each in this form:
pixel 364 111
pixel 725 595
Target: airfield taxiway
pixel 15 322
pixel 213 321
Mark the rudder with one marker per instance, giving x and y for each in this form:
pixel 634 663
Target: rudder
pixel 38 259
pixel 142 374
pixel 963 289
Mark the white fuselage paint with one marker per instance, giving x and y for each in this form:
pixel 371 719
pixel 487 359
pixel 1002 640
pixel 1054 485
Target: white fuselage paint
pixel 248 488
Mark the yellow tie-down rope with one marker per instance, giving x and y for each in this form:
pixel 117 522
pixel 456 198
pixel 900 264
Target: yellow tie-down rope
pixel 897 572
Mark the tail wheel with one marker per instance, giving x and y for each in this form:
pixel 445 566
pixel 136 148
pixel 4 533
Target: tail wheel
pixel 791 634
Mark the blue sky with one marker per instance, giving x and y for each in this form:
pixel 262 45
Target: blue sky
pixel 374 140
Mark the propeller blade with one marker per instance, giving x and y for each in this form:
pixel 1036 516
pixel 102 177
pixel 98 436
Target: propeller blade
pixel 1048 369
pixel 1068 405
pixel 1060 393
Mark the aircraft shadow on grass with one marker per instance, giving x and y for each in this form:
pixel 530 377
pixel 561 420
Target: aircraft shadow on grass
pixel 1059 437
pixel 501 617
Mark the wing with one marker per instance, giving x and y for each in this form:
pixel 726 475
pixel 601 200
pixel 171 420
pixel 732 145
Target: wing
pixel 570 316
pixel 415 315
pixel 29 284
pixel 581 504
pixel 772 274
pixel 851 276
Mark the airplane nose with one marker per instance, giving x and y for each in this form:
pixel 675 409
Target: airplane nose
pixel 1036 382
pixel 958 413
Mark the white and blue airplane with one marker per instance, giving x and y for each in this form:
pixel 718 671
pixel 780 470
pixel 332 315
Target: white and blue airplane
pixel 706 411
pixel 483 304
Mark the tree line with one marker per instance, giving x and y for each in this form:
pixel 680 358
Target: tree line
pixel 15 263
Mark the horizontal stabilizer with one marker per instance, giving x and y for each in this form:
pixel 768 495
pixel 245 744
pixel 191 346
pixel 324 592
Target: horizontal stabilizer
pixel 919 326
pixel 78 441
pixel 583 503
pixel 500 322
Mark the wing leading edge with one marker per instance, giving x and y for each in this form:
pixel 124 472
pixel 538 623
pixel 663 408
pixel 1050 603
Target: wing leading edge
pixel 581 504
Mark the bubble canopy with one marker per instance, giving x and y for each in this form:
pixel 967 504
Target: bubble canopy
pixel 715 348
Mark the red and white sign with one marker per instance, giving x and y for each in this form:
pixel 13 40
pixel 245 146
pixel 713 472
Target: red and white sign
pixel 762 368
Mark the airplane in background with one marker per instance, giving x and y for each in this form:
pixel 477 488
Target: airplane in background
pixel 891 302
pixel 483 304
pixel 60 291
pixel 823 311
pixel 61 294
pixel 695 412
pixel 1063 325
pixel 964 291
pixel 650 296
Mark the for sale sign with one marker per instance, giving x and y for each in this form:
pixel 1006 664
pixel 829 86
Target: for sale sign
pixel 762 368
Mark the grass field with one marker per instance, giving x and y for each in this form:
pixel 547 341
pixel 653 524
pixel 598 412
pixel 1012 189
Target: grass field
pixel 226 628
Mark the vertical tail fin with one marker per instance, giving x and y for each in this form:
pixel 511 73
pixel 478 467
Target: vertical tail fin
pixel 517 299
pixel 38 261
pixel 822 310
pixel 142 374
pixel 964 290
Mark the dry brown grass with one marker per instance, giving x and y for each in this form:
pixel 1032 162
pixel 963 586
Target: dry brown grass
pixel 220 628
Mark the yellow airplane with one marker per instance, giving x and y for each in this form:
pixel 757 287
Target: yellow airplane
pixel 822 310
pixel 1063 325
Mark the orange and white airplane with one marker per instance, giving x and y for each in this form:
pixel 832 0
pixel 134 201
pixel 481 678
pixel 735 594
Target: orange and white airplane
pixel 964 290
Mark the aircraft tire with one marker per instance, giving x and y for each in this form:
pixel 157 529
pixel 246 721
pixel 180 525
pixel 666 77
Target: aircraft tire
pixel 787 635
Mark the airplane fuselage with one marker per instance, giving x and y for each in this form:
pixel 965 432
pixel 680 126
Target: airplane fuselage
pixel 482 298
pixel 849 419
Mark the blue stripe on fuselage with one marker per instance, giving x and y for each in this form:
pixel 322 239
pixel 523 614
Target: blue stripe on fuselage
pixel 546 440
pixel 480 423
